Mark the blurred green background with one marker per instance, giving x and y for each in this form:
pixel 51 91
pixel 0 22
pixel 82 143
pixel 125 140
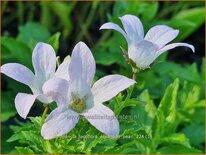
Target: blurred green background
pixel 63 24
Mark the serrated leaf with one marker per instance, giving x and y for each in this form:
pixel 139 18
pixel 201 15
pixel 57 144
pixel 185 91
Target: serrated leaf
pixel 15 137
pixel 189 95
pixel 165 122
pixel 150 108
pixel 168 102
pixel 176 138
pixel 178 149
pixel 24 150
pixel 36 121
pixel 133 147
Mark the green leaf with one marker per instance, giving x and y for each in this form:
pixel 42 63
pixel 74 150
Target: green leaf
pixel 36 121
pixel 109 52
pixel 189 95
pixel 24 150
pixel 196 133
pixel 128 148
pixel 150 108
pixel 104 145
pixel 121 8
pixel 165 121
pixel 15 137
pixel 178 149
pixel 8 108
pixel 158 127
pixel 150 11
pixel 187 21
pixel 144 115
pixel 176 70
pixel 197 115
pixel 63 15
pixel 6 148
pixel 108 58
pixel 17 50
pixel 54 41
pixel 32 33
pixel 168 102
pixel 176 138
pixel 124 104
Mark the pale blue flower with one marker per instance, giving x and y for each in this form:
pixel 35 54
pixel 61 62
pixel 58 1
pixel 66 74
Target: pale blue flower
pixel 79 97
pixel 44 63
pixel 144 50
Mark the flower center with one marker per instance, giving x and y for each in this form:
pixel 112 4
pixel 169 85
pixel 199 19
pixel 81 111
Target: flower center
pixel 78 105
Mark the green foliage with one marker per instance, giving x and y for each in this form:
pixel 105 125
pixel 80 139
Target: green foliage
pixel 187 21
pixel 15 50
pixel 52 9
pixel 20 49
pixel 8 109
pixel 29 34
pixel 163 113
pixel 148 129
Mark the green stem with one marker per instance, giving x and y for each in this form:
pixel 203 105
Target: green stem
pixel 134 72
pixel 58 61
pixel 134 76
pixel 129 94
pixel 44 114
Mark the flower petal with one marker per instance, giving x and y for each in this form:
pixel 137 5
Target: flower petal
pixel 133 27
pixel 82 54
pixel 44 98
pixel 103 119
pixel 18 72
pixel 55 112
pixel 44 61
pixel 75 66
pixel 113 26
pixel 161 35
pixel 59 122
pixel 23 103
pixel 173 45
pixel 109 86
pixel 79 79
pixel 143 53
pixel 62 71
pixel 80 89
pixel 58 90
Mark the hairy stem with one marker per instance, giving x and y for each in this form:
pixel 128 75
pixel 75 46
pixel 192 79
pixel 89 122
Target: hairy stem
pixel 134 72
pixel 44 114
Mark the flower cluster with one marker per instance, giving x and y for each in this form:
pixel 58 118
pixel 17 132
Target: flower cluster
pixel 71 84
pixel 70 87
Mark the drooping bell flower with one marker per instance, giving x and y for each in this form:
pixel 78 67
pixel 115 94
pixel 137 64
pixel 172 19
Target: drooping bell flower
pixel 143 50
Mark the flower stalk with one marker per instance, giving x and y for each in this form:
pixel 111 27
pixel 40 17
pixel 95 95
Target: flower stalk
pixel 44 114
